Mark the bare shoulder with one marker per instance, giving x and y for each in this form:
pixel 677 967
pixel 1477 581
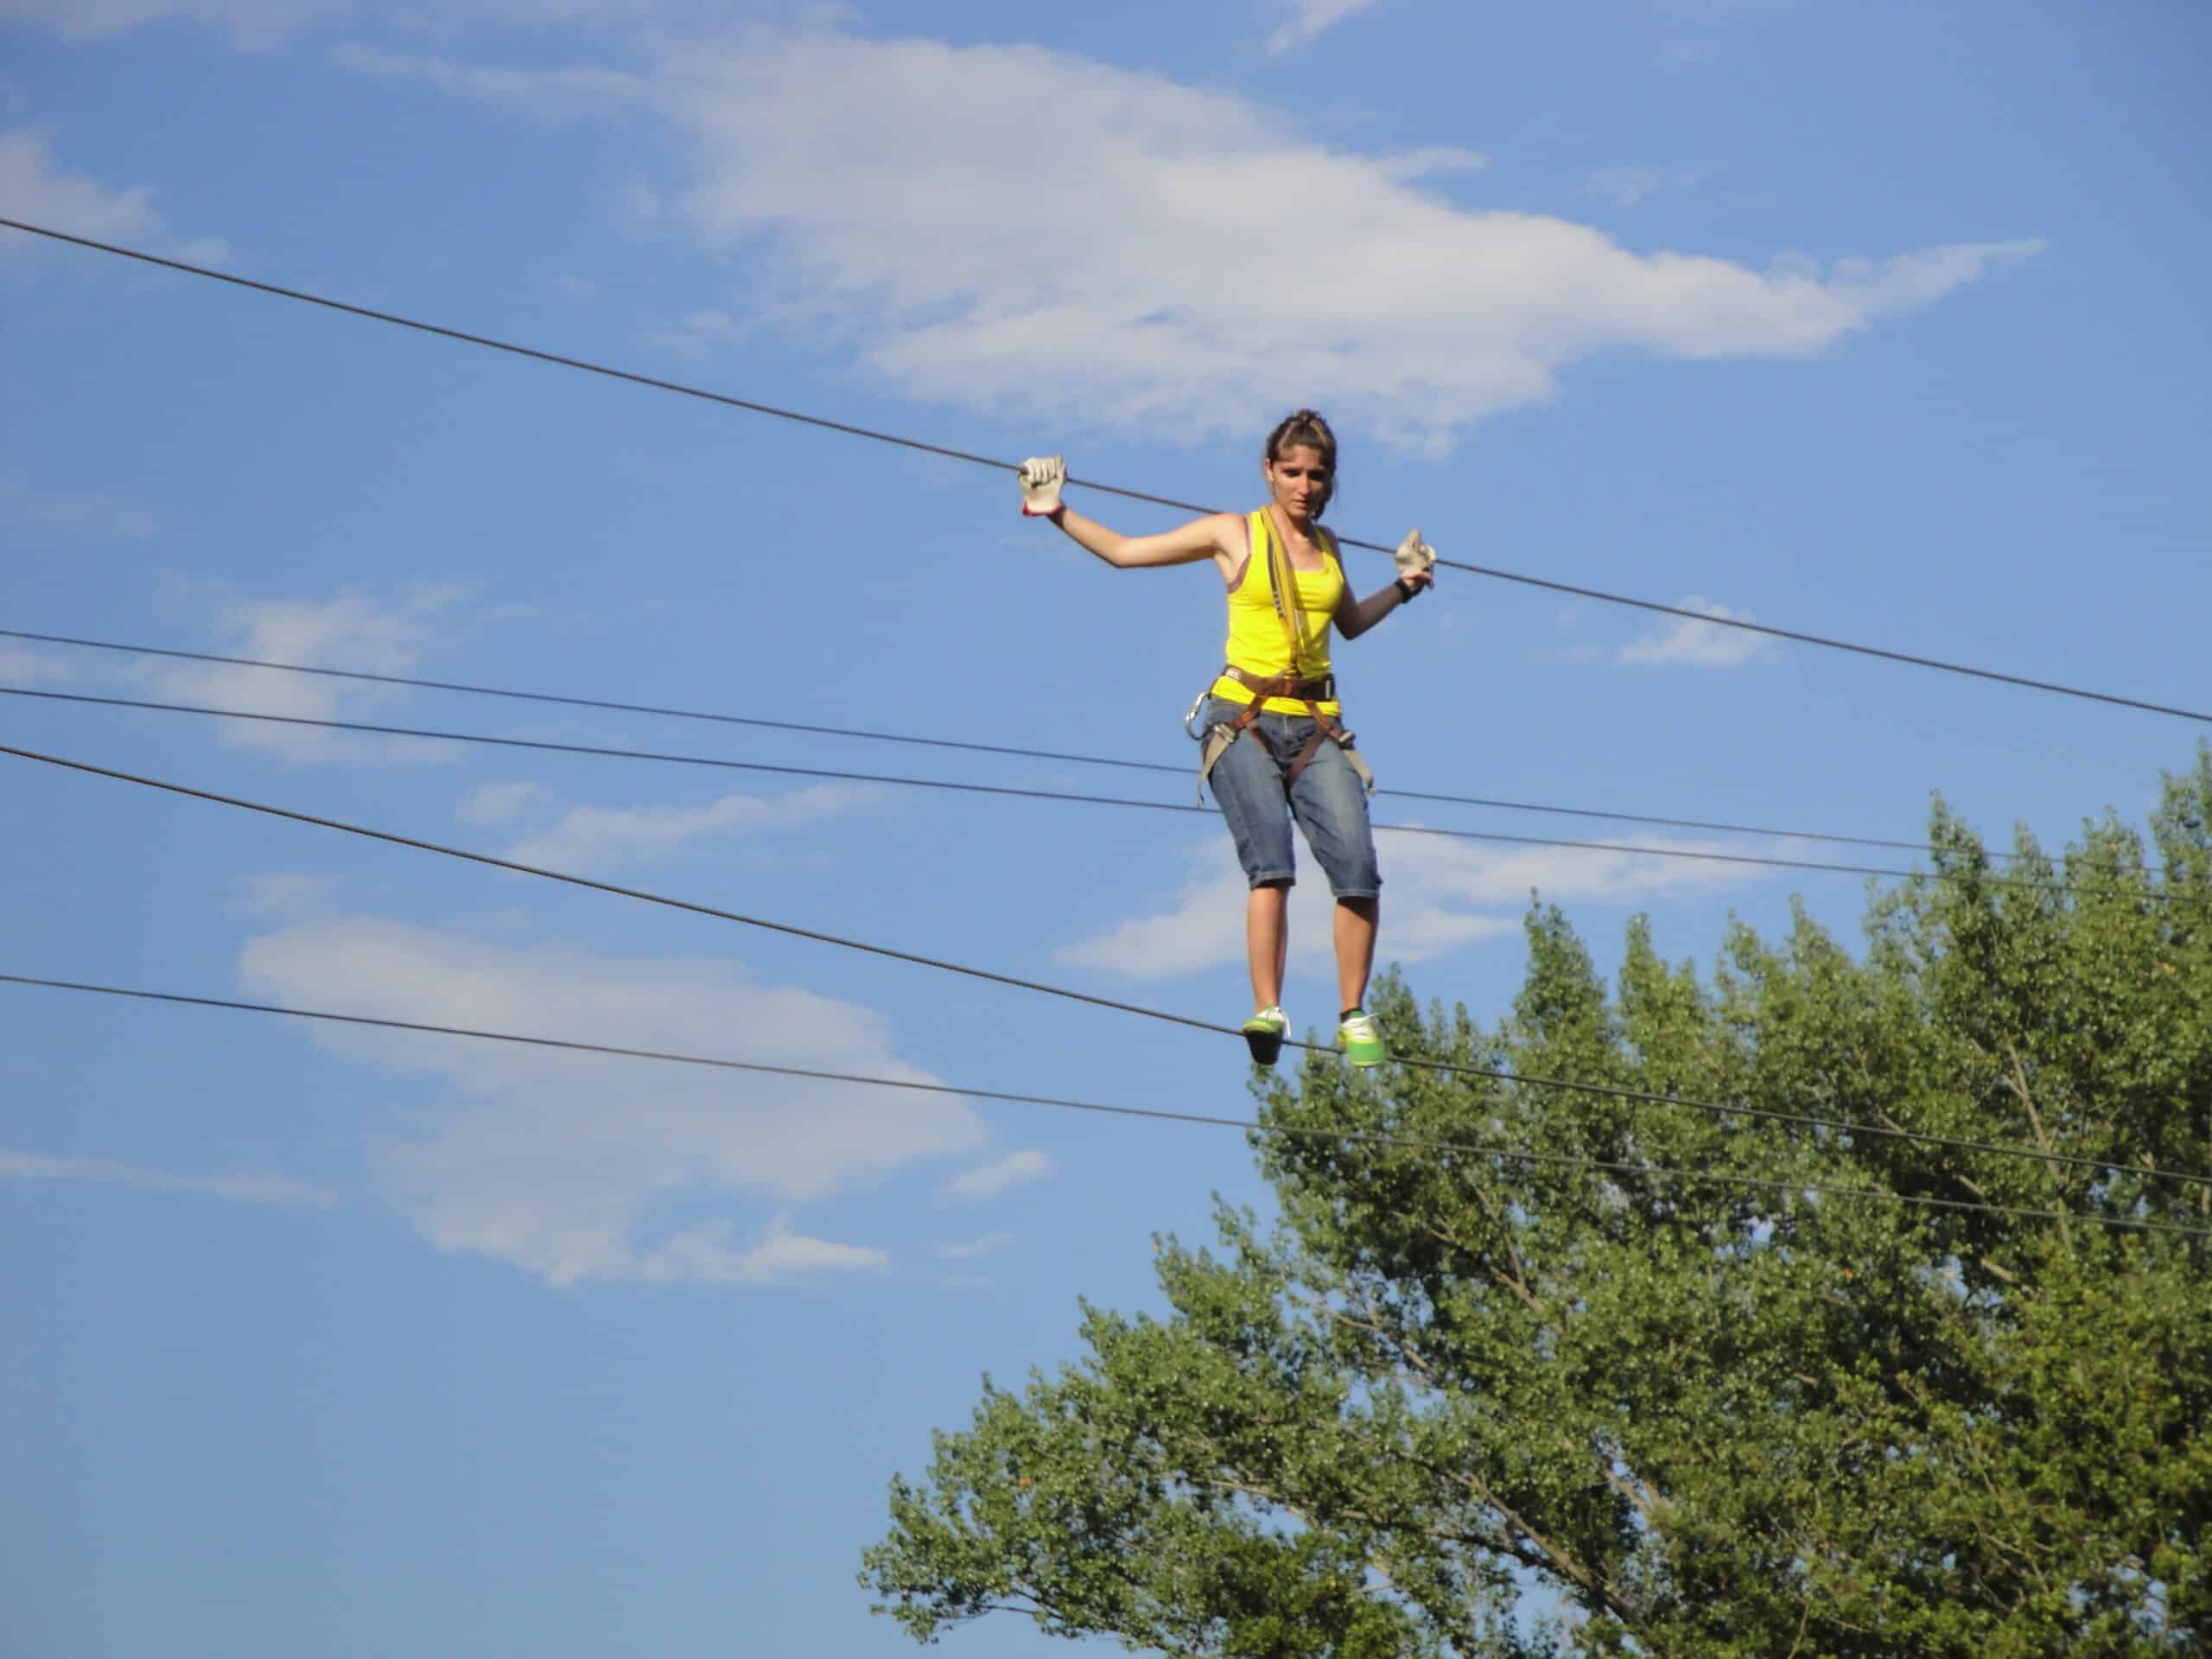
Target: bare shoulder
pixel 1227 530
pixel 1231 544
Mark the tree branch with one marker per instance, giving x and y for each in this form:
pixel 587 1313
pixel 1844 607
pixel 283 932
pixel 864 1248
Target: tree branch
pixel 2018 1079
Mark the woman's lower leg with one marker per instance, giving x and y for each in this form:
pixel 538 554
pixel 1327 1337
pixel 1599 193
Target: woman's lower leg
pixel 1355 930
pixel 1267 941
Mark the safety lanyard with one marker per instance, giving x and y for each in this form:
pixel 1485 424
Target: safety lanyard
pixel 1282 577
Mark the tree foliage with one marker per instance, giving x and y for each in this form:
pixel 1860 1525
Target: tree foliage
pixel 1710 1419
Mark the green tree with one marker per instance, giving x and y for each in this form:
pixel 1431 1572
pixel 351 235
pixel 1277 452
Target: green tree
pixel 1712 1419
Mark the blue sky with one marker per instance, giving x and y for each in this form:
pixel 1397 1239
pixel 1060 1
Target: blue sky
pixel 1878 321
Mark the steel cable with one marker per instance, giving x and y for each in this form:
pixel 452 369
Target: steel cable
pixel 759 723
pixel 1515 1079
pixel 1008 791
pixel 874 435
pixel 1365 1137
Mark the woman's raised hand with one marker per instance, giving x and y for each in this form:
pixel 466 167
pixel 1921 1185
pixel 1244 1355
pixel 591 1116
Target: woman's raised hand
pixel 1416 559
pixel 1041 478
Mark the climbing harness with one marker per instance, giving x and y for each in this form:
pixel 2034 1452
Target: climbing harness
pixel 1213 742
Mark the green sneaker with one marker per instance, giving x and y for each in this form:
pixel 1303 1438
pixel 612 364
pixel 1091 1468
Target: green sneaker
pixel 1363 1044
pixel 1263 1035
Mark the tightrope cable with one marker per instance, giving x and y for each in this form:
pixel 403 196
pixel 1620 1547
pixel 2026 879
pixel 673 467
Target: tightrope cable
pixel 1384 1139
pixel 1515 1079
pixel 1010 751
pixel 874 435
pixel 1008 790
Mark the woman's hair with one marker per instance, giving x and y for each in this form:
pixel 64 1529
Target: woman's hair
pixel 1306 427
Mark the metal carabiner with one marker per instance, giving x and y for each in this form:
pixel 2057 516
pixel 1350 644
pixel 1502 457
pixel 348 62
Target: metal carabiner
pixel 1198 703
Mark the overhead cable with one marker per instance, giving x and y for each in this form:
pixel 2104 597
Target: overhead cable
pixel 759 723
pixel 1011 791
pixel 876 436
pixel 1451 1068
pixel 1383 1139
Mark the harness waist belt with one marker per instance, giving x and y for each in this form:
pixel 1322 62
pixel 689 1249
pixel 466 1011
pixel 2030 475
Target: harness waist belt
pixel 1263 686
pixel 1221 734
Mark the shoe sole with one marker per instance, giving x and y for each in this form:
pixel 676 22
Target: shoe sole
pixel 1266 1047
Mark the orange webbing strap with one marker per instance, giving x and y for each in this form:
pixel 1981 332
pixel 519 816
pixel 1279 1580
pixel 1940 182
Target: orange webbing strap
pixel 1283 582
pixel 1285 585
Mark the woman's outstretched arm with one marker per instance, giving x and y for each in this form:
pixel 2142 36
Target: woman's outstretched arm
pixel 1356 616
pixel 1416 567
pixel 1216 535
pixel 1202 538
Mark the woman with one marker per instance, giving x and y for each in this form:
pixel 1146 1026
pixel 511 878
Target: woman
pixel 1273 751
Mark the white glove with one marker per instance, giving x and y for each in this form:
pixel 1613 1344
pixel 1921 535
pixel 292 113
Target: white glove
pixel 1416 558
pixel 1041 478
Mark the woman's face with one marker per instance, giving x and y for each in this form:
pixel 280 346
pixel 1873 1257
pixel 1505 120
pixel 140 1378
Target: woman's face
pixel 1300 482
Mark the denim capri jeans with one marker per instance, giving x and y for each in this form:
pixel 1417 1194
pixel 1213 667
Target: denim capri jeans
pixel 1328 801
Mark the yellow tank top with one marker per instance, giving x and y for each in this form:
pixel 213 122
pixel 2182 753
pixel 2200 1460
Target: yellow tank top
pixel 1257 643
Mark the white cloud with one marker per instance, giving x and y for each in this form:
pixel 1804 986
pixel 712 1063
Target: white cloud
pixel 889 209
pixel 704 1255
pixel 1310 18
pixel 279 894
pixel 975 1248
pixel 600 837
pixel 282 1190
pixel 96 515
pixel 883 217
pixel 1432 161
pixel 1439 894
pixel 1680 642
pixel 262 25
pixel 33 189
pixel 497 803
pixel 638 207
pixel 552 94
pixel 990 1180
pixel 558 1163
pixel 1630 183
pixel 696 333
pixel 1909 281
pixel 354 631
pixel 1202 927
pixel 24 666
pixel 885 212
pixel 256 24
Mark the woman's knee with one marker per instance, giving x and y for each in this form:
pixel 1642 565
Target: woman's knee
pixel 1336 829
